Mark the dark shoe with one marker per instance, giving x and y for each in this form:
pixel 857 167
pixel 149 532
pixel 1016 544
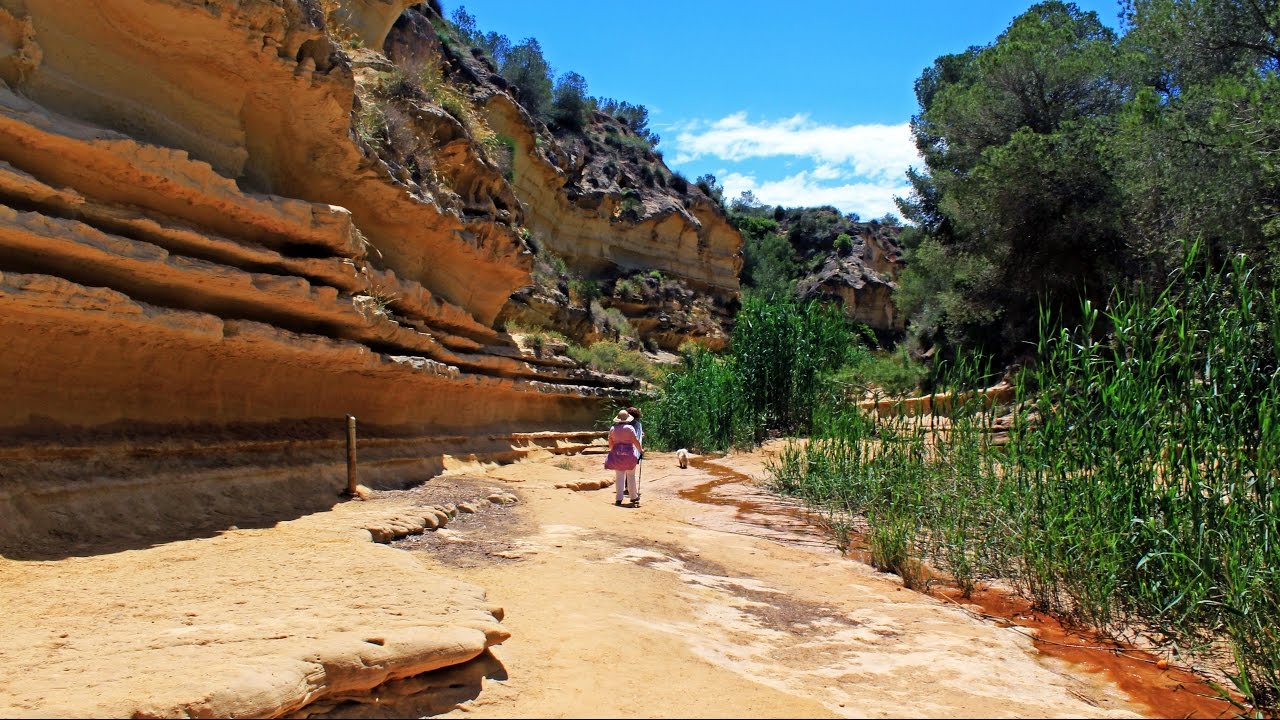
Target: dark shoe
pixel 618 503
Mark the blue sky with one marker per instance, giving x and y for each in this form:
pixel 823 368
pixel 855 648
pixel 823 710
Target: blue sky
pixel 802 103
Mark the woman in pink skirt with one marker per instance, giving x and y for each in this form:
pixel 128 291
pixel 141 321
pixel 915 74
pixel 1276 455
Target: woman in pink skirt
pixel 624 455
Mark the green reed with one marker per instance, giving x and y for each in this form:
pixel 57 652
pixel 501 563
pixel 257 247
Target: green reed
pixel 1136 485
pixel 767 382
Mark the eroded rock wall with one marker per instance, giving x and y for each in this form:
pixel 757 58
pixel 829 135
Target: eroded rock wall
pixel 599 198
pixel 863 278
pixel 204 268
pixel 576 211
pixel 256 90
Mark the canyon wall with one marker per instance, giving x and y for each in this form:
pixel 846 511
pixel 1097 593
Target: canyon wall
pixel 205 266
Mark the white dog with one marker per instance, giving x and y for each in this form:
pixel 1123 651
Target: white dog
pixel 682 457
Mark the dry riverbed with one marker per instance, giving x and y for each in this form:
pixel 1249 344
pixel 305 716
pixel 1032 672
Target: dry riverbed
pixel 712 598
pixel 715 598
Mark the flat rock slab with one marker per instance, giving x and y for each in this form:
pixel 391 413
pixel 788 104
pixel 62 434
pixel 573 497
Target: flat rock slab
pixel 249 623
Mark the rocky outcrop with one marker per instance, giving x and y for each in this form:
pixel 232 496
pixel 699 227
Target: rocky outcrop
pixel 599 198
pixel 270 619
pixel 582 206
pixel 220 234
pixel 862 278
pixel 662 312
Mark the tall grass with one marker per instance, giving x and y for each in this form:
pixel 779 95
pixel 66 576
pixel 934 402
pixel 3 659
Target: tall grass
pixel 1135 487
pixel 768 381
pixel 701 406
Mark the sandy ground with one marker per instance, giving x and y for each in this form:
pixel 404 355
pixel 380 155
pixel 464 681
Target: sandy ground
pixel 683 608
pixel 711 599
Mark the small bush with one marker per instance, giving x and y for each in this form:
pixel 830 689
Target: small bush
pixel 585 290
pixel 613 321
pixel 502 151
pixel 626 287
pixel 843 243
pixel 371 121
pixel 537 338
pixel 630 207
pixel 895 373
pixel 611 357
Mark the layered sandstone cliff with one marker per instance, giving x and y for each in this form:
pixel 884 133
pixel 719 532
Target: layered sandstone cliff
pixel 205 265
pixel 601 200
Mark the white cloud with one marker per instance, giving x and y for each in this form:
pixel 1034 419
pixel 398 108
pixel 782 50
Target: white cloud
pixel 871 151
pixel 868 199
pixel 828 172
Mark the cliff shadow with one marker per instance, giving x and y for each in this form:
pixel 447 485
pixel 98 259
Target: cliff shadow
pixel 105 492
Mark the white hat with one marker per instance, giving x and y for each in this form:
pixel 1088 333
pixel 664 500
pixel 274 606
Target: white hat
pixel 622 417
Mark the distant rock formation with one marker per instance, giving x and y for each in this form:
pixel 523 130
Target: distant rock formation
pixel 862 278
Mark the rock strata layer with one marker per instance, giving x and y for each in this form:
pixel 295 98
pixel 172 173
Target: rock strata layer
pixel 205 267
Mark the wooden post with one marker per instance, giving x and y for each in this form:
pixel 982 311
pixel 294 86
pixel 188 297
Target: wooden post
pixel 351 455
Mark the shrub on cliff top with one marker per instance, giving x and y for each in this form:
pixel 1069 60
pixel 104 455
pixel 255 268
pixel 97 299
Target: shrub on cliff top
pixel 613 357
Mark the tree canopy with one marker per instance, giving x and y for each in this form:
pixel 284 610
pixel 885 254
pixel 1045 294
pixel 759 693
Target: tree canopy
pixel 1062 159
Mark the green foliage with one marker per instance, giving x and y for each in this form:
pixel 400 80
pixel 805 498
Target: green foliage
pixel 770 381
pixel 711 188
pixel 1197 147
pixel 893 373
pixel 1136 486
pixel 699 406
pixel 632 146
pixel 530 76
pixel 585 290
pixel 1061 161
pixel 781 349
pixel 612 357
pixel 569 102
pixel 613 320
pixel 1012 137
pixel 630 207
pixel 770 265
pixel 626 288
pixel 635 117
pixel 746 205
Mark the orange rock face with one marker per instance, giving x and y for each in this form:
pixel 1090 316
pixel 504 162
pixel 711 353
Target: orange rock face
pixel 204 268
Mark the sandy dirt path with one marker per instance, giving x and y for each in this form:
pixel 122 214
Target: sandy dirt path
pixel 683 608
